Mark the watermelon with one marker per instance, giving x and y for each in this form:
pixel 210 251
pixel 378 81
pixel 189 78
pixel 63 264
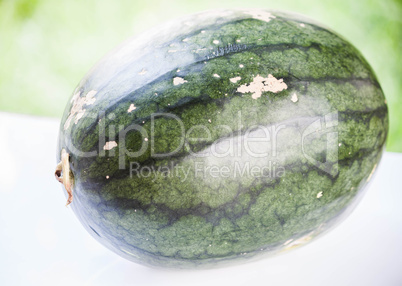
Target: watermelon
pixel 221 137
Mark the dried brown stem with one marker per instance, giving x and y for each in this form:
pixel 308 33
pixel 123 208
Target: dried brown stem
pixel 64 175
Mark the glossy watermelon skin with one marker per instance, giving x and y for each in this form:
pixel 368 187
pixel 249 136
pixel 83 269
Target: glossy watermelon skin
pixel 239 74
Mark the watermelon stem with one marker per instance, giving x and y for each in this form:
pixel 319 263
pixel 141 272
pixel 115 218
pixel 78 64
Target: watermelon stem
pixel 62 169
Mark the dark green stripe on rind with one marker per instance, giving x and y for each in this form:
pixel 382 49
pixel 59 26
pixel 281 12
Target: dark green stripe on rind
pixel 170 222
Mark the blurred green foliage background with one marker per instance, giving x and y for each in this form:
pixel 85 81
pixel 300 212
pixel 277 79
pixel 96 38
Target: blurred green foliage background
pixel 47 46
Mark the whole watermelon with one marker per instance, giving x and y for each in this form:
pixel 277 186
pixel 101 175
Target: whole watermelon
pixel 221 137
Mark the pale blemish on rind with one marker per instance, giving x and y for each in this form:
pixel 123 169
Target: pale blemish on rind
pixel 199 50
pixel 178 80
pixel 110 145
pixel 142 72
pixel 235 79
pixel 260 84
pixel 77 110
pixel 260 15
pixel 131 108
pixel 294 97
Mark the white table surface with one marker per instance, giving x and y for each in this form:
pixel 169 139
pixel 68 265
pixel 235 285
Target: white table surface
pixel 42 243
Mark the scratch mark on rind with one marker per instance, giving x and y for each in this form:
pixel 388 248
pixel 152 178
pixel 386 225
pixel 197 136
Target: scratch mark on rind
pixel 110 145
pixel 131 108
pixel 77 110
pixel 372 172
pixel 294 97
pixel 178 80
pixel 235 79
